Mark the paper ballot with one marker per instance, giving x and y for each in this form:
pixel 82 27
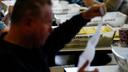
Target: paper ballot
pixel 89 51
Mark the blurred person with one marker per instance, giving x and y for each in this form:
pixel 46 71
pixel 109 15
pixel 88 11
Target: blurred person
pixel 3 9
pixel 117 5
pixel 111 5
pixel 30 42
pixel 6 18
pixel 5 23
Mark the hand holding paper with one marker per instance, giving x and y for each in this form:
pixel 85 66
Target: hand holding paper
pixel 96 10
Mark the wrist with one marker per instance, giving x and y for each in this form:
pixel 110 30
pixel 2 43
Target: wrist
pixel 85 16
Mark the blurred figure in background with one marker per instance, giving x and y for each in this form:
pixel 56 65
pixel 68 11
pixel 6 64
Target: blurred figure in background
pixel 111 5
pixel 6 19
pixel 3 9
pixel 3 23
pixel 117 5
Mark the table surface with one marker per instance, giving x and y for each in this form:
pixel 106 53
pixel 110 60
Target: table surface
pixel 82 49
pixel 109 68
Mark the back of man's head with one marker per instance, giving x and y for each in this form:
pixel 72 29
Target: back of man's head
pixel 24 7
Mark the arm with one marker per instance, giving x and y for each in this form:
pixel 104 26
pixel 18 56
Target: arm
pixel 113 5
pixel 63 34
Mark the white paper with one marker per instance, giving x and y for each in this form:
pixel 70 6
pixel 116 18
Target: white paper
pixel 89 51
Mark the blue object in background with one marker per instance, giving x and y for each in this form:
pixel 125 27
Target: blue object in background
pixel 2 25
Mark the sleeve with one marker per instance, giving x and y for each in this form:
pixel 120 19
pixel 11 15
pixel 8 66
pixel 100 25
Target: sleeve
pixel 63 34
pixel 113 5
pixel 60 36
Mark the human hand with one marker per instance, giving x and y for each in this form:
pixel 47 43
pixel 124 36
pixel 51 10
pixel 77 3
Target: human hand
pixel 84 66
pixel 95 10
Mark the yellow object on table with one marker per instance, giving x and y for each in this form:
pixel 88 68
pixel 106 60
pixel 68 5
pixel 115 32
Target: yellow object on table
pixel 87 30
pixel 106 29
pixel 92 30
pixel 116 37
pixel 81 39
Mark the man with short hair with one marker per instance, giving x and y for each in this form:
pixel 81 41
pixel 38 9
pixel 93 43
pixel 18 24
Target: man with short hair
pixel 30 41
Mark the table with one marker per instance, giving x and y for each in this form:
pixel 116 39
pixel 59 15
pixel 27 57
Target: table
pixel 109 68
pixel 82 49
pixel 71 51
pixel 98 49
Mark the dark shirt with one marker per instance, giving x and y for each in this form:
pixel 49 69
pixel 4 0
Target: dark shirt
pixel 14 58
